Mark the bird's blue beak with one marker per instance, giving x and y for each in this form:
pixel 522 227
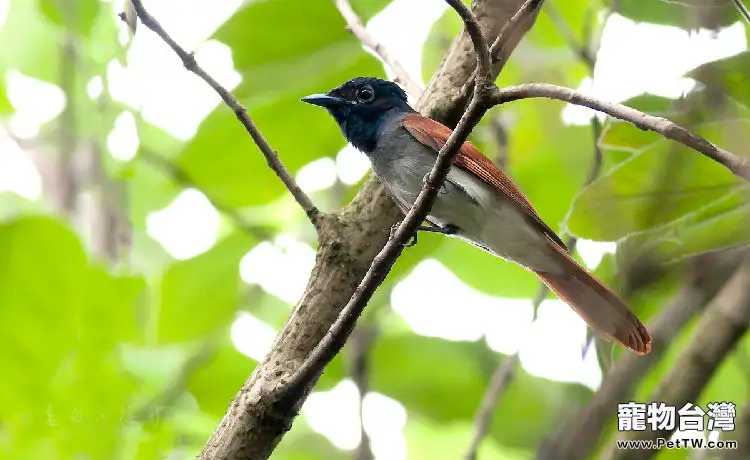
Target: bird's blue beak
pixel 323 100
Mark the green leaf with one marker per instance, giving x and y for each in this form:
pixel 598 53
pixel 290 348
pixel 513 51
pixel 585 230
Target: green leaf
pixel 652 188
pixel 720 225
pixel 40 55
pixel 302 443
pixel 428 440
pixel 439 39
pixel 200 295
pixel 418 371
pixel 216 381
pixel 149 189
pixel 730 76
pixel 6 107
pixel 311 41
pixel 78 17
pixel 688 14
pixel 72 381
pixel 486 272
pixel 577 15
pixel 532 407
pixel 366 9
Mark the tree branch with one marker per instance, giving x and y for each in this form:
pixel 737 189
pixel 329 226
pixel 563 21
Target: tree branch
pixel 355 26
pixel 740 166
pixel 340 330
pixel 743 10
pixel 707 274
pixel 272 158
pixel 508 37
pixel 349 240
pixel 719 329
pixel 454 81
pixel 498 53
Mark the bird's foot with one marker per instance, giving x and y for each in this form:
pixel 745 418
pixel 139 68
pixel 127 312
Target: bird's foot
pixel 412 241
pixel 441 191
pixel 449 229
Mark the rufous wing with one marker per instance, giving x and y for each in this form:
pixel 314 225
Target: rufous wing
pixel 598 305
pixel 434 135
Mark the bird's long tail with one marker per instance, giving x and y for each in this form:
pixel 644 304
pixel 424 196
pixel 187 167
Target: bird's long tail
pixel 598 305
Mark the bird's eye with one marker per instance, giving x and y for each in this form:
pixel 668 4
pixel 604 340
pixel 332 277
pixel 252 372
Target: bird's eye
pixel 365 94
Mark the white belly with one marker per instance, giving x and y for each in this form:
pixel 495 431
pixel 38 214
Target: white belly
pixel 483 216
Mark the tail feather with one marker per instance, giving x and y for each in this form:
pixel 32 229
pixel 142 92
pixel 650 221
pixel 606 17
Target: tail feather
pixel 599 306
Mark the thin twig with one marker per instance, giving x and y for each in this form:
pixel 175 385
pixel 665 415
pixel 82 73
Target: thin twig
pixel 356 26
pixel 347 318
pixel 272 158
pixel 509 29
pixel 744 12
pixel 500 380
pixel 738 165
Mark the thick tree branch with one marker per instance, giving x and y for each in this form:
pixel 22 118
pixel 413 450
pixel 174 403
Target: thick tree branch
pixel 707 274
pixel 356 27
pixel 332 342
pixel 272 158
pixel 737 164
pixel 719 329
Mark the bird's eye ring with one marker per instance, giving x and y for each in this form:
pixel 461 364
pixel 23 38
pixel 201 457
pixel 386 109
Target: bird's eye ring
pixel 365 94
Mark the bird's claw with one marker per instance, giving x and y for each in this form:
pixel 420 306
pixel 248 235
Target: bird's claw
pixel 425 181
pixel 410 243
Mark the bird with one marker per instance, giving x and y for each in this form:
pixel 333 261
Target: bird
pixel 477 202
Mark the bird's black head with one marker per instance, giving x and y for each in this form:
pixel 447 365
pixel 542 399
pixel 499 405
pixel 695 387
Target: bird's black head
pixel 361 107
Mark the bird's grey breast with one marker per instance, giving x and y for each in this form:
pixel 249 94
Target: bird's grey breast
pixel 400 162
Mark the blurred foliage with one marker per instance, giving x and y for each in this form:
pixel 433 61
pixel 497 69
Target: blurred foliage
pixel 135 360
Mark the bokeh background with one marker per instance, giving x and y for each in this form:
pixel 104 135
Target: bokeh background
pixel 148 256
